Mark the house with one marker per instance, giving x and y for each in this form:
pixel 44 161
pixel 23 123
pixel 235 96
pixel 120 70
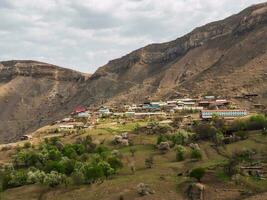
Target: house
pixel 150 114
pixel 151 106
pixel 66 126
pixel 85 114
pixel 209 97
pixel 104 111
pixel 67 119
pixel 204 103
pixel 189 108
pixel 79 109
pixel 129 114
pixel 208 114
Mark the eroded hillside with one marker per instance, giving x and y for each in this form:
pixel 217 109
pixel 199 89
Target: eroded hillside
pixel 33 94
pixel 209 59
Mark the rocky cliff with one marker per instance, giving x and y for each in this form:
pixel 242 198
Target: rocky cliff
pixel 33 94
pixel 209 59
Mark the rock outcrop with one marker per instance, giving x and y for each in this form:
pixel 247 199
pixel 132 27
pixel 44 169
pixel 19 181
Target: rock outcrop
pixel 207 60
pixel 33 94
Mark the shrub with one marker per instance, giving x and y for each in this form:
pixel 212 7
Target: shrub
pixel 54 154
pixel 257 122
pixel 17 178
pixel 69 151
pixel 115 162
pixel 180 151
pixel 242 134
pixel 54 166
pixel 68 165
pixel 53 179
pixel 132 150
pixel 197 173
pixel 106 168
pixel 92 172
pixel 219 137
pixel 162 138
pixel 77 178
pixel 26 159
pixel 178 138
pixel 35 176
pixel 196 154
pixel 205 131
pixel 149 162
pixel 27 145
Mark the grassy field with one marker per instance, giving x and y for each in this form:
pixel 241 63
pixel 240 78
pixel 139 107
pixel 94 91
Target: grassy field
pixel 164 176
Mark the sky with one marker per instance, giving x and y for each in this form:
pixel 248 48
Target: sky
pixel 85 34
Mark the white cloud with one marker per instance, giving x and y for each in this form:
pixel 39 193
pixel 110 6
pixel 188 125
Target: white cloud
pixel 85 34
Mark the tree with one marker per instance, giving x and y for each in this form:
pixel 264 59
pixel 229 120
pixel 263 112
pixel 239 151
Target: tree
pixel 107 169
pixel 92 172
pixel 197 173
pixel 115 162
pixel 205 131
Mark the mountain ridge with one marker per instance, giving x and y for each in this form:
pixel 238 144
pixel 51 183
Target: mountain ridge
pixel 207 60
pixel 148 66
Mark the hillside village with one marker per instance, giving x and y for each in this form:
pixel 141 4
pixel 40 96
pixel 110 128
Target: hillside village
pixel 179 120
pixel 210 144
pixel 193 109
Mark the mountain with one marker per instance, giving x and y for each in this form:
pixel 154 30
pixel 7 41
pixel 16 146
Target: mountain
pixel 33 94
pixel 226 58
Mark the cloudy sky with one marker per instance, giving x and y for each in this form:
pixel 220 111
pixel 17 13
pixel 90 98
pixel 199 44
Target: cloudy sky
pixel 85 34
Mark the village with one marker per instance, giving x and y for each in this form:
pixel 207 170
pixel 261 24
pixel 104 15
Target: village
pixel 209 144
pixel 191 109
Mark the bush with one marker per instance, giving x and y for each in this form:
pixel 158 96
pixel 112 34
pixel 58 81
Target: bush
pixel 115 162
pixel 205 131
pixel 197 173
pixel 178 138
pixel 106 168
pixel 257 122
pixel 242 134
pixel 77 178
pixel 69 151
pixel 35 176
pixel 196 154
pixel 149 162
pixel 27 145
pixel 54 178
pixel 17 178
pixel 162 138
pixel 180 151
pixel 219 138
pixel 92 172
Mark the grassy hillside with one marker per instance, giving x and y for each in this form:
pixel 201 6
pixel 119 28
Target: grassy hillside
pixel 167 177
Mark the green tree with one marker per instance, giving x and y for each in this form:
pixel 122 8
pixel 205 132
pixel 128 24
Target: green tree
pixel 196 154
pixel 180 151
pixel 197 173
pixel 115 162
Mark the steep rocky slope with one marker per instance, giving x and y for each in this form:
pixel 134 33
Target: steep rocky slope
pixel 226 57
pixel 33 94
